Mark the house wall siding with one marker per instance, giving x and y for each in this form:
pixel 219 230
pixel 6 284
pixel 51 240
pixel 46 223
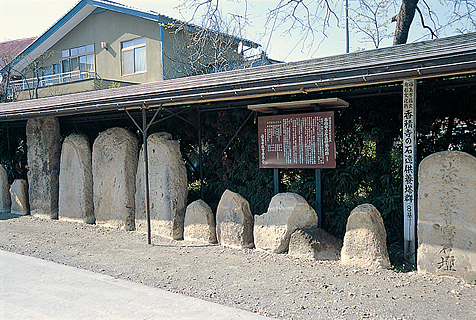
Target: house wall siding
pixel 179 49
pixel 114 28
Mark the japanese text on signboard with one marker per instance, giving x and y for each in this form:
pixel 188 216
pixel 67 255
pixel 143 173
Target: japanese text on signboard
pixel 409 148
pixel 297 141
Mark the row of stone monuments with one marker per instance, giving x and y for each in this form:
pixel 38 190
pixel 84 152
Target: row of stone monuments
pixel 446 223
pixel 290 225
pixel 106 186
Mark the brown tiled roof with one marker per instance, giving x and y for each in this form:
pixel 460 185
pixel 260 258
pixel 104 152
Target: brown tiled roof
pixel 436 58
pixel 9 49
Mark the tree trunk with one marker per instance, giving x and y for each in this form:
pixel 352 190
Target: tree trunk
pixel 404 20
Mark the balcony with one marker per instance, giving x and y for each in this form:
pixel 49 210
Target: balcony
pixel 50 80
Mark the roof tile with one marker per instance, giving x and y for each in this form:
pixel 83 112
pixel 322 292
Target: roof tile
pixel 10 49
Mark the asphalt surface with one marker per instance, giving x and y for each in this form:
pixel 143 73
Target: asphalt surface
pixel 33 288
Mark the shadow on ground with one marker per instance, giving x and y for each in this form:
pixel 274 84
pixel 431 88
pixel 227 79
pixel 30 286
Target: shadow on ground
pixel 8 216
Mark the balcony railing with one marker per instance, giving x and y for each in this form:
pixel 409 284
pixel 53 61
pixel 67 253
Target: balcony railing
pixel 51 80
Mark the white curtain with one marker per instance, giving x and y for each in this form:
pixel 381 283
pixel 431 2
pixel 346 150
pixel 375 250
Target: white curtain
pixel 139 59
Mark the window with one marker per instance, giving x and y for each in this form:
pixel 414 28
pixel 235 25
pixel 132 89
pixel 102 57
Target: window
pixel 79 58
pixel 46 71
pixel 56 68
pixel 65 65
pixel 133 56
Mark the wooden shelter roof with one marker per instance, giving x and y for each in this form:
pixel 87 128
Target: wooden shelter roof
pixel 450 56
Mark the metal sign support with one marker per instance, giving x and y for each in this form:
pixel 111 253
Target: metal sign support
pixel 276 181
pixel 200 152
pixel 318 198
pixel 409 169
pixel 143 130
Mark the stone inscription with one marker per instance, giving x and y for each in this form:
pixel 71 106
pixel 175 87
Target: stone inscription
pixel 446 219
pixel 448 209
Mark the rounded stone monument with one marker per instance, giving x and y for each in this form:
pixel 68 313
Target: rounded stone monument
pixel 76 180
pixel 19 197
pixel 114 164
pixel 446 215
pixel 286 213
pixel 167 187
pixel 44 150
pixel 365 240
pixel 200 222
pixel 234 221
pixel 5 199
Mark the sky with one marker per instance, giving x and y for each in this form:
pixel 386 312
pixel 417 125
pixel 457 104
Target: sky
pixel 28 18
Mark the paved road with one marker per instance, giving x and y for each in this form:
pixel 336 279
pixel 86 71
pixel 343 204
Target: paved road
pixel 31 288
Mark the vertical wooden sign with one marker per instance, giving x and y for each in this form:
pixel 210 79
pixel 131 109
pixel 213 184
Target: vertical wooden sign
pixel 409 168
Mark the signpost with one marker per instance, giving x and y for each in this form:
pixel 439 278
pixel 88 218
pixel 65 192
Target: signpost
pixel 409 169
pixel 298 141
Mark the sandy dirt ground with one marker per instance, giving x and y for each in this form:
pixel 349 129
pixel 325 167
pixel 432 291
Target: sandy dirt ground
pixel 269 284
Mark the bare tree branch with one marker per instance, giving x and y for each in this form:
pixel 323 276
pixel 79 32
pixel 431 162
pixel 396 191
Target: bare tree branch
pixel 312 18
pixel 433 34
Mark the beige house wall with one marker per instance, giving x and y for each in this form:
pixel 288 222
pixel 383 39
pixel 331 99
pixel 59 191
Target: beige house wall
pixel 178 49
pixel 114 28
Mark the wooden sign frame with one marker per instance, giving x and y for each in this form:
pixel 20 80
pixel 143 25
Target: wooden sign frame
pixel 305 140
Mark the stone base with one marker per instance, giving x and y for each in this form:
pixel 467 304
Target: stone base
pixel 41 215
pixel 314 243
pixel 159 227
pixel 270 237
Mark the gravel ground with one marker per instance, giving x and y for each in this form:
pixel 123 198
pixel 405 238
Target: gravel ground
pixel 269 284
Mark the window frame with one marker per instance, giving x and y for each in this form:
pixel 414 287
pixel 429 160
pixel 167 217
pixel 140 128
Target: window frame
pixel 134 47
pixel 75 54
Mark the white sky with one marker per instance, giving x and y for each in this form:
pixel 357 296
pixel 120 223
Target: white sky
pixel 28 18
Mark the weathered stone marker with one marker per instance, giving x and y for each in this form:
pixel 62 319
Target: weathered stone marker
pixel 365 240
pixel 114 164
pixel 5 199
pixel 44 149
pixel 167 187
pixel 200 222
pixel 234 221
pixel 286 213
pixel 19 197
pixel 447 215
pixel 76 180
pixel 314 243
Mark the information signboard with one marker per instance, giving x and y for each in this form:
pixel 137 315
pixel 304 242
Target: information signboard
pixel 297 141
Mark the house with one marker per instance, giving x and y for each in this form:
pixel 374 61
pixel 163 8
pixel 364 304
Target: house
pixel 101 44
pixel 8 51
